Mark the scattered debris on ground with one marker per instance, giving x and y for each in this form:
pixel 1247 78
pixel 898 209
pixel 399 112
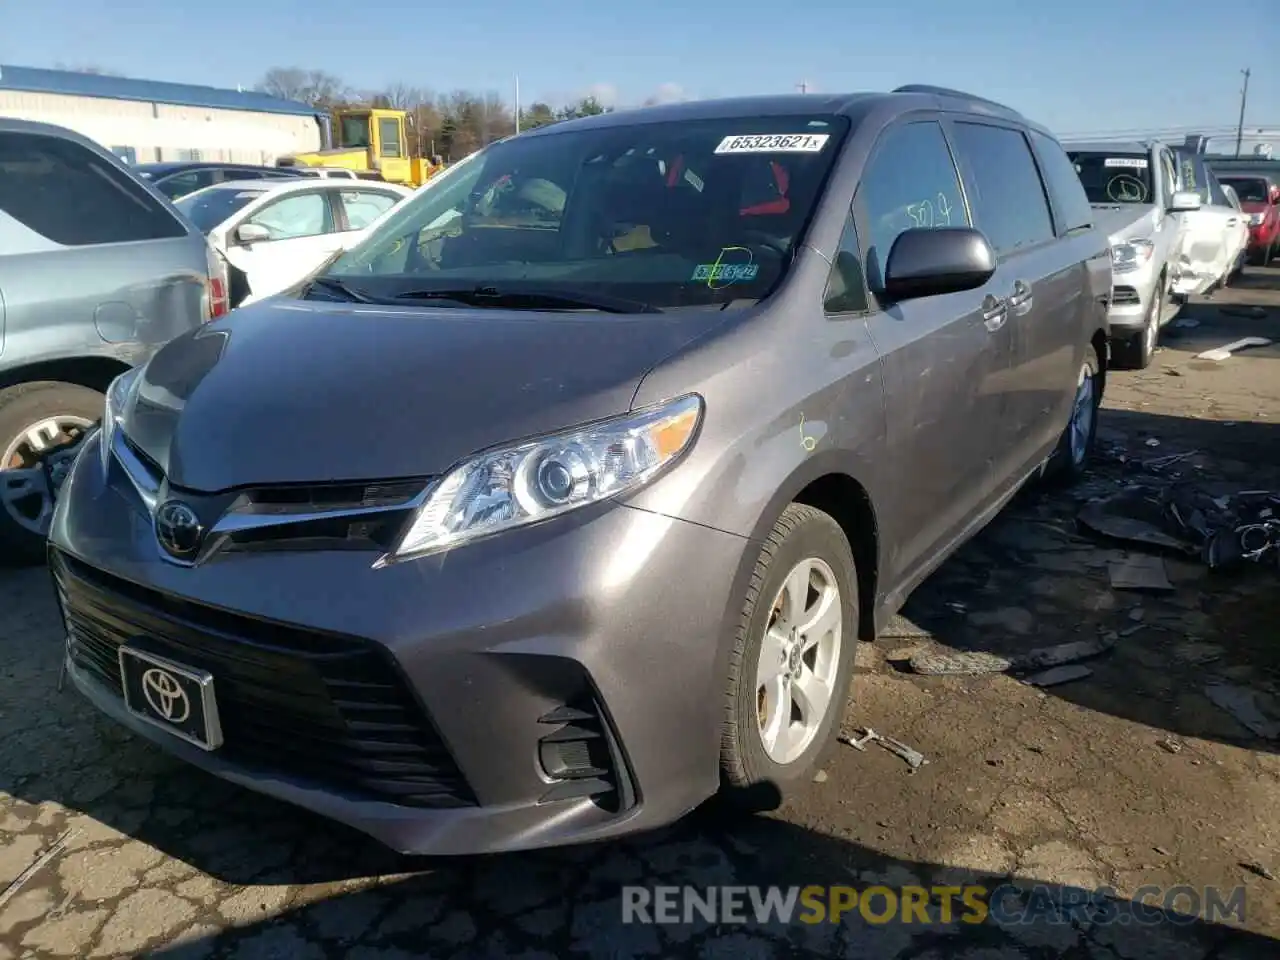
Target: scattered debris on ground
pixel 1222 530
pixel 1223 353
pixel 1059 675
pixel 937 664
pixel 1139 571
pixel 914 758
pixel 1243 704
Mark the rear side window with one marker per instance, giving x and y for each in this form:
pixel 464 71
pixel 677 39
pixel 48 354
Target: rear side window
pixel 365 206
pixel 1070 204
pixel 72 196
pixel 910 183
pixel 1007 198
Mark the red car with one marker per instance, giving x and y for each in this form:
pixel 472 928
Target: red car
pixel 1260 199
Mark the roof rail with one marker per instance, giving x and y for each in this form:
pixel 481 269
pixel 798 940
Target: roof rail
pixel 949 92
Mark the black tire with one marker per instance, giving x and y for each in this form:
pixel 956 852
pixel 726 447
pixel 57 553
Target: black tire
pixel 1136 351
pixel 750 779
pixel 1064 466
pixel 21 407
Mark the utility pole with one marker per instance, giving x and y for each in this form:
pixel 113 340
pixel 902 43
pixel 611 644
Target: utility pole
pixel 803 86
pixel 517 103
pixel 1244 97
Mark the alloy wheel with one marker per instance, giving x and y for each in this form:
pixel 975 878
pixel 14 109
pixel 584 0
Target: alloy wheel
pixel 799 659
pixel 31 472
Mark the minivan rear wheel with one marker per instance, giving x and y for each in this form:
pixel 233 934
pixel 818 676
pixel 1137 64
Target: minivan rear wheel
pixel 791 660
pixel 36 418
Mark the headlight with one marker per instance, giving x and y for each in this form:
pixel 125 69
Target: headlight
pixel 1255 219
pixel 1130 255
pixel 528 482
pixel 117 394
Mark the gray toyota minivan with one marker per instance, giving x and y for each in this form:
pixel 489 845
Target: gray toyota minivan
pixel 561 502
pixel 97 271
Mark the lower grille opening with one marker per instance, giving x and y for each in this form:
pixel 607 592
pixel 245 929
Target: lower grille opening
pixel 1125 297
pixel 332 710
pixel 581 755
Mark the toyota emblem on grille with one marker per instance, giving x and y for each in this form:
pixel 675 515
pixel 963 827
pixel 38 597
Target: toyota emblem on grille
pixel 165 695
pixel 179 530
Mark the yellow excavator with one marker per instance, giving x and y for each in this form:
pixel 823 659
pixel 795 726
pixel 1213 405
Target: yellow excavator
pixel 371 142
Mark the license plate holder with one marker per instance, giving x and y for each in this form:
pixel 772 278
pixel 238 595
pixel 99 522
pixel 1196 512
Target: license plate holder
pixel 176 698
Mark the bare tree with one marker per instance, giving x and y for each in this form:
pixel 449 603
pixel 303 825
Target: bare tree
pixel 316 87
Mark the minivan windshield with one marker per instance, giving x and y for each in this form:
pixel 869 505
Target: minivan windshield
pixel 208 208
pixel 1114 177
pixel 1248 189
pixel 683 213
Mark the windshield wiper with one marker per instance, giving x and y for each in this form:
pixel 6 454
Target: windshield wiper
pixel 334 285
pixel 514 298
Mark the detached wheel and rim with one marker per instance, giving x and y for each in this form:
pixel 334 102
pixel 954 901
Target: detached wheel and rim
pixel 791 660
pixel 1071 457
pixel 36 418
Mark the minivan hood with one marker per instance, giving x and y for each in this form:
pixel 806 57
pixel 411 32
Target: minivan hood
pixel 1124 221
pixel 291 391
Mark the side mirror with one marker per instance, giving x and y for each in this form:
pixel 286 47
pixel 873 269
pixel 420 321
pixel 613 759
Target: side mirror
pixel 252 233
pixel 929 262
pixel 1185 201
pixel 1275 196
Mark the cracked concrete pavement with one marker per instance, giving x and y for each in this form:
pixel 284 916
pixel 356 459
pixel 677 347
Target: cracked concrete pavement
pixel 1128 777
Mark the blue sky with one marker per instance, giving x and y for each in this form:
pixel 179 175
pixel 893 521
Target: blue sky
pixel 1078 66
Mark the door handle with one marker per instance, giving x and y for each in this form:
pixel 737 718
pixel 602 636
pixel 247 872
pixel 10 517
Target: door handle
pixel 995 311
pixel 1022 293
pixel 1232 222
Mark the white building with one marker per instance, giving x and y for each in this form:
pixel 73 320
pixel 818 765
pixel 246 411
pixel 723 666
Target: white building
pixel 144 121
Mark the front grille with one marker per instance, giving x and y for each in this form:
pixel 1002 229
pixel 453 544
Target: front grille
pixel 1125 297
pixel 322 707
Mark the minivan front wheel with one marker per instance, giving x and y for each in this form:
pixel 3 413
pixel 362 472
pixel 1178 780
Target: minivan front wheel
pixel 791 661
pixel 35 419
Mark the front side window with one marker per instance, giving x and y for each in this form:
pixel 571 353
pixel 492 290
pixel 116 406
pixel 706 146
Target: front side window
pixel 1216 194
pixel 72 196
pixel 354 131
pixel 296 216
pixel 1168 175
pixel 1008 198
pixel 1118 177
pixel 1193 176
pixel 676 214
pixel 909 183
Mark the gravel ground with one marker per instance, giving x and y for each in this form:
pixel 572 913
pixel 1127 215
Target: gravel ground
pixel 1128 777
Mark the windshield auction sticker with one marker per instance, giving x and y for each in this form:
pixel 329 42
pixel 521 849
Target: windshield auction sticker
pixel 1136 163
pixel 774 143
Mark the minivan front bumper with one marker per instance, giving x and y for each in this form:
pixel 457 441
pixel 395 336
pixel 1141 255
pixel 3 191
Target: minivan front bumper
pixel 555 684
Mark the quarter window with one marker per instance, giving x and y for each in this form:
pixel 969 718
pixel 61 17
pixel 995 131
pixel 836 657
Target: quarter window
pixel 846 292
pixel 910 183
pixel 72 196
pixel 1070 203
pixel 1168 176
pixel 1007 194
